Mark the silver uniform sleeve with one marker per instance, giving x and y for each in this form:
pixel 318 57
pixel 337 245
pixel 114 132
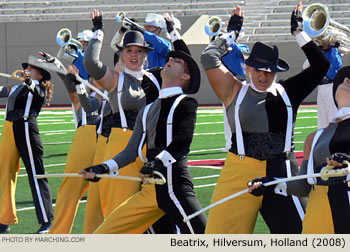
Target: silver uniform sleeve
pixel 92 62
pixel 211 56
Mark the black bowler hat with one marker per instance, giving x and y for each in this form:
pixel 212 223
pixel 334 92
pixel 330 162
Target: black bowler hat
pixel 265 58
pixel 343 73
pixel 46 75
pixel 193 68
pixel 136 38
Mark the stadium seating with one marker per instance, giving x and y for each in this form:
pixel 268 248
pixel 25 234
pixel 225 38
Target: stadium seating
pixel 264 20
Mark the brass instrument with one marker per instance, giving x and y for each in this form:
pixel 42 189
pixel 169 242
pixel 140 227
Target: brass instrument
pixel 213 26
pixel 14 75
pixel 68 44
pixel 318 24
pixel 126 22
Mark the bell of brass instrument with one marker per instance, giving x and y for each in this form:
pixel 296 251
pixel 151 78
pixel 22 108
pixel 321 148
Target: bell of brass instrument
pixel 318 24
pixel 16 75
pixel 126 22
pixel 213 26
pixel 68 44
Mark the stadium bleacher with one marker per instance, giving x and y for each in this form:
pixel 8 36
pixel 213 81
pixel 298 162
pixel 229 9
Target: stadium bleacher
pixel 264 20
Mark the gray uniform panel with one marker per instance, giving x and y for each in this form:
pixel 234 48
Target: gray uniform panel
pixel 252 113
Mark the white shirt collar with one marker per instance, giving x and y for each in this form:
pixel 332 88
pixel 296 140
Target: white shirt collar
pixel 35 81
pixel 272 89
pixel 168 92
pixel 137 74
pixel 343 113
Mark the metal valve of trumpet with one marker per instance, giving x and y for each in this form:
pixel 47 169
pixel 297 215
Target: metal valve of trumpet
pixel 213 26
pixel 126 22
pixel 68 45
pixel 318 24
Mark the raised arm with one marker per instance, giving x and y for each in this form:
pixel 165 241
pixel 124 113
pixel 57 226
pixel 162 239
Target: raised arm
pixel 299 86
pixel 104 76
pixel 224 84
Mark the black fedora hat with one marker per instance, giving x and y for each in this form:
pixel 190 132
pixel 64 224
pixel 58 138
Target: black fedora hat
pixel 343 73
pixel 193 68
pixel 136 38
pixel 265 58
pixel 46 75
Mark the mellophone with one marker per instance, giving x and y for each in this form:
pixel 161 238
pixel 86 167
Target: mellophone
pixel 67 44
pixel 14 75
pixel 316 23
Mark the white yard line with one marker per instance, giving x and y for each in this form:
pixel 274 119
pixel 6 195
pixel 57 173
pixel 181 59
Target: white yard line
pixel 32 208
pixel 196 151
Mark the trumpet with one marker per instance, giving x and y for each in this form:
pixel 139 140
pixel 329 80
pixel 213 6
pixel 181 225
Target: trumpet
pixel 13 76
pixel 318 24
pixel 68 44
pixel 213 26
pixel 126 22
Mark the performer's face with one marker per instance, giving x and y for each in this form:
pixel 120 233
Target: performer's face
pixel 34 73
pixel 261 79
pixel 177 68
pixel 133 57
pixel 342 94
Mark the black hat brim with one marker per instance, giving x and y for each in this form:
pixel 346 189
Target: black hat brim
pixel 146 48
pixel 282 66
pixel 46 75
pixel 193 68
pixel 343 73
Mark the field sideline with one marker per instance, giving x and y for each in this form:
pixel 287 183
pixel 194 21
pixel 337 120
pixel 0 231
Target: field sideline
pixel 205 159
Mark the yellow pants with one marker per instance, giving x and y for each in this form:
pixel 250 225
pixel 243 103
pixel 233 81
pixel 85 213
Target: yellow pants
pixel 93 212
pixel 80 156
pixel 135 215
pixel 113 192
pixel 237 215
pixel 9 168
pixel 318 218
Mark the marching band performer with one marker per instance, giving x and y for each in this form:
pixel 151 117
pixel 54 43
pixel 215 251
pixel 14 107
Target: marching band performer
pixel 154 24
pixel 261 116
pixel 167 150
pixel 21 138
pixel 326 109
pixel 84 38
pixel 126 99
pixel 86 109
pixel 328 208
pixel 234 61
pixel 150 83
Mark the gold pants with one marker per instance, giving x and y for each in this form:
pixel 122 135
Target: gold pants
pixel 80 156
pixel 93 212
pixel 113 192
pixel 9 168
pixel 135 215
pixel 237 215
pixel 318 218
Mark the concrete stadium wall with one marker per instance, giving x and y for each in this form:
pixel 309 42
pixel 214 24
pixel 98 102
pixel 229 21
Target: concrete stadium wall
pixel 20 39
